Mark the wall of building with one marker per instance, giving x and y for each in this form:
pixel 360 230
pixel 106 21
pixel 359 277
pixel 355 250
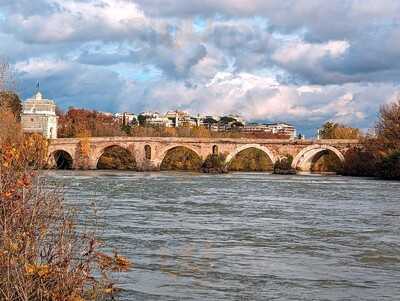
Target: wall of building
pixel 39 116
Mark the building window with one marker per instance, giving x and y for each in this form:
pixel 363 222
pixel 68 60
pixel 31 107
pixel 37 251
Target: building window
pixel 147 152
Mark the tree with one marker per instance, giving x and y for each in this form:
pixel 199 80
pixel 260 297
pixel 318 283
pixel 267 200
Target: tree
pixel 142 119
pixel 237 124
pixel 92 123
pixel 388 127
pixel 390 166
pixel 226 120
pixel 209 121
pixel 8 98
pixel 44 254
pixel 331 130
pixel 12 101
pixel 284 165
pixel 215 163
pixel 361 161
pixel 7 80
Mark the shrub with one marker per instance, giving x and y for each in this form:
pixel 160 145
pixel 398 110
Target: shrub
pixel 117 158
pixel 327 162
pixel 360 161
pixel 387 127
pixel 251 159
pixel 181 158
pixel 215 163
pixel 389 168
pixel 332 130
pixel 284 165
pixel 43 255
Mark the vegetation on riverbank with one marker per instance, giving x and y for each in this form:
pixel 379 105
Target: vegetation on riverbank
pixel 117 158
pixel 181 158
pixel 378 152
pixel 75 122
pixel 283 166
pixel 251 159
pixel 44 254
pixel 215 164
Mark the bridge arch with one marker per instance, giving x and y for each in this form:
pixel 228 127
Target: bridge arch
pixel 117 146
pixel 165 150
pixel 303 160
pixel 61 159
pixel 265 150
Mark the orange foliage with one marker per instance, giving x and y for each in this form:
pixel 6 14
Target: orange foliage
pixel 198 132
pixel 42 254
pixel 85 123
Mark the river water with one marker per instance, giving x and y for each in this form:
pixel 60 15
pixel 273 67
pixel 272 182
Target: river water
pixel 247 236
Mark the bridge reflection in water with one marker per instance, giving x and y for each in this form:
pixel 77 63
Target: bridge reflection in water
pixel 150 152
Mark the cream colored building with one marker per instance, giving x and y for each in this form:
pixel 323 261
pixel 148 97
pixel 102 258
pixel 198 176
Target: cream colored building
pixel 39 116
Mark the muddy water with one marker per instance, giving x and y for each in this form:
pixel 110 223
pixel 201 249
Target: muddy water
pixel 247 236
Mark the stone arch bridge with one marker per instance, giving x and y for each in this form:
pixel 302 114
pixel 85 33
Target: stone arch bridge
pixel 149 152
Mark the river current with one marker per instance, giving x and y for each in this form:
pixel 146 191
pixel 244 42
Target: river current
pixel 246 236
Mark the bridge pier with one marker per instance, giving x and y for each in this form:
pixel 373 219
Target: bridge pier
pixel 148 165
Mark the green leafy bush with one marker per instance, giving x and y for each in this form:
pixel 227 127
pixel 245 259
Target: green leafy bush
pixel 181 158
pixel 390 166
pixel 284 165
pixel 360 161
pixel 251 159
pixel 215 163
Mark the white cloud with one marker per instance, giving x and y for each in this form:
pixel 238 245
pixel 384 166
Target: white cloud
pixel 41 67
pixel 72 20
pixel 299 51
pixel 305 63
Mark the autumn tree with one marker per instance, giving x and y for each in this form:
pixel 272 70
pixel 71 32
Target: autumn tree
pixel 8 98
pixel 11 100
pixel 44 255
pixel 388 127
pixel 94 124
pixel 331 130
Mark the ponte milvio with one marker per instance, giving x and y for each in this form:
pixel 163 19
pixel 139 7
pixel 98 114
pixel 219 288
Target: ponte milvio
pixel 149 152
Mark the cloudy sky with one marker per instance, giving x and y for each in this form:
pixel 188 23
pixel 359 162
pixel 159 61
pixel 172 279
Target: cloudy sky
pixel 302 61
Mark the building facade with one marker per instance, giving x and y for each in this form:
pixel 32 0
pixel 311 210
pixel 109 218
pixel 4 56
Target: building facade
pixel 39 116
pixel 283 129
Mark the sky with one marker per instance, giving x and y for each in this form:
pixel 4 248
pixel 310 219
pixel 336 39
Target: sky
pixel 300 61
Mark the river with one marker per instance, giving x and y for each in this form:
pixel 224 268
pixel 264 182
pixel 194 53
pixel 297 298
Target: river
pixel 246 236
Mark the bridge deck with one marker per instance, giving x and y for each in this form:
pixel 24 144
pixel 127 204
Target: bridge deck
pixel 206 140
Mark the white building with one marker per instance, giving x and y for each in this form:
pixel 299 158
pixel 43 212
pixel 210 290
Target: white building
pixel 159 122
pixel 181 118
pixel 39 116
pixel 126 118
pixel 283 129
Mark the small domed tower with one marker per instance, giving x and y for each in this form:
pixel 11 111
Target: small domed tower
pixel 39 116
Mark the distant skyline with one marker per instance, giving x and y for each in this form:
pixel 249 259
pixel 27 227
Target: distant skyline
pixel 304 62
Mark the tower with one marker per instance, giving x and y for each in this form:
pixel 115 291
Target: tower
pixel 39 116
